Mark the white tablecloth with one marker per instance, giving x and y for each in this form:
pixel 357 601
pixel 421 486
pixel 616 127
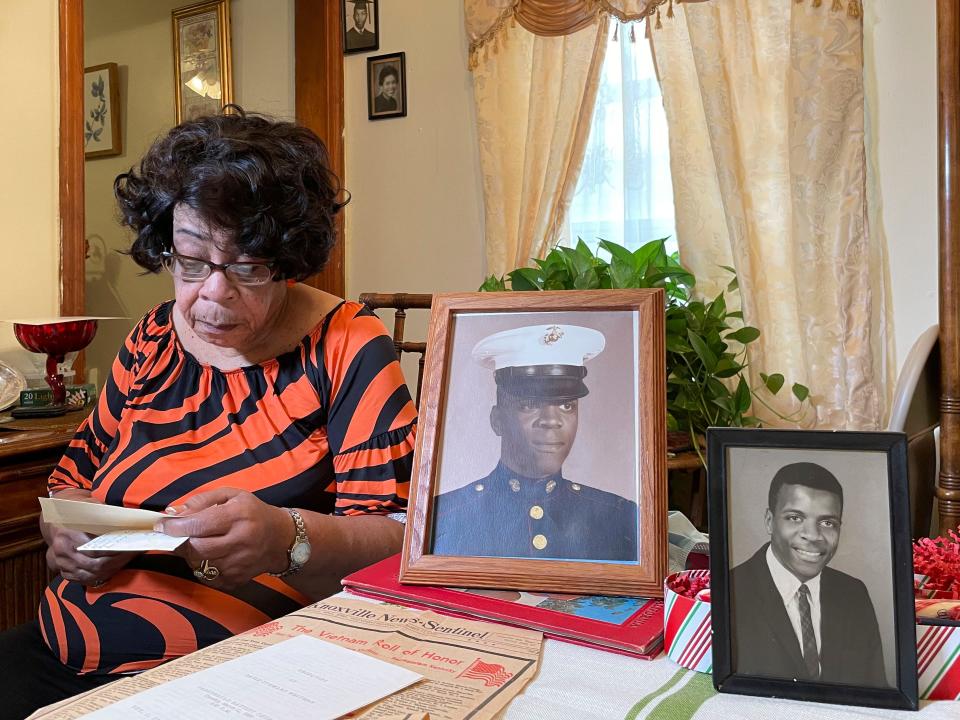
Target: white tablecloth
pixel 587 684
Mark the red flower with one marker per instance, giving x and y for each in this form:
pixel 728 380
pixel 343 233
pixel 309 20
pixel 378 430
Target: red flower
pixel 939 560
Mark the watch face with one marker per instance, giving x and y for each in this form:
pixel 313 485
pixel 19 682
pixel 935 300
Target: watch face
pixel 300 553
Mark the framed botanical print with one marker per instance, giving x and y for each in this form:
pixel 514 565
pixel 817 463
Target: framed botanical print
pixel 101 111
pixel 541 450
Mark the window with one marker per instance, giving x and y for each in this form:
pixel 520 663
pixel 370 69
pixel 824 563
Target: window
pixel 624 193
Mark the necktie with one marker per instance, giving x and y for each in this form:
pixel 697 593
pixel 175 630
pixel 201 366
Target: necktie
pixel 811 657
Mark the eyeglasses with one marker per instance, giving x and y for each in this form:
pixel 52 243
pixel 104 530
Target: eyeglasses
pixel 191 269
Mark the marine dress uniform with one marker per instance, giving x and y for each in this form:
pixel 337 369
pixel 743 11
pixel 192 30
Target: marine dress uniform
pixel 506 514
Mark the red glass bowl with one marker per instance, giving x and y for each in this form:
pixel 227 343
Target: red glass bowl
pixel 56 338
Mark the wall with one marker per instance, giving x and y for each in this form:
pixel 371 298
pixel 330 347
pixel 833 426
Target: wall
pixel 900 58
pixel 137 36
pixel 415 223
pixel 29 224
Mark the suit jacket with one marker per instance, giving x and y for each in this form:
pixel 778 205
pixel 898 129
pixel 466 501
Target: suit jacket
pixel 505 515
pixel 359 39
pixel 764 642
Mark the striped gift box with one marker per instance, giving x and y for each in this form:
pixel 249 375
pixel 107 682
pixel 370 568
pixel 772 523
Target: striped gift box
pixel 686 626
pixel 938 662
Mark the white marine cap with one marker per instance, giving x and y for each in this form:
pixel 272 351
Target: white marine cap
pixel 541 361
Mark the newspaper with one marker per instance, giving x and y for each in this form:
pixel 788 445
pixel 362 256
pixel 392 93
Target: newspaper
pixel 470 668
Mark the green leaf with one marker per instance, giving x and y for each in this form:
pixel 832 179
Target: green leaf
pixel 579 263
pixel 646 254
pixel 735 314
pixel 800 392
pixel 742 396
pixel 744 335
pixel 672 422
pixel 621 273
pixel 524 279
pixel 718 308
pixel 587 280
pixel 703 351
pixel 617 252
pixel 677 345
pixel 729 269
pixel 773 382
pixel 584 249
pixel 733 285
pixel 727 367
pixel 493 284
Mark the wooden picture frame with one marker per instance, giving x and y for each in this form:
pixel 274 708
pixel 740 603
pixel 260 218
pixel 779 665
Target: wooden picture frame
pixel 387 86
pixel 831 493
pixel 202 65
pixel 592 506
pixel 102 134
pixel 361 26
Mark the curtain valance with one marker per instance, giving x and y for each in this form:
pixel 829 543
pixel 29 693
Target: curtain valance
pixel 552 18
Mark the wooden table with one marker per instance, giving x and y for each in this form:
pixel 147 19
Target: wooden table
pixel 29 450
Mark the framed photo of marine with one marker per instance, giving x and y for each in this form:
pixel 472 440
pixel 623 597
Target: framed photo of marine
pixel 541 449
pixel 361 25
pixel 387 86
pixel 811 566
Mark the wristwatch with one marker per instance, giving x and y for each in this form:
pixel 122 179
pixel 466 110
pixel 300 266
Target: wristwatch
pixel 299 552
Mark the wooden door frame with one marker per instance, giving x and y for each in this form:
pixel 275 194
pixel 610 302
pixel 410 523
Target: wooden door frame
pixel 318 83
pixel 948 140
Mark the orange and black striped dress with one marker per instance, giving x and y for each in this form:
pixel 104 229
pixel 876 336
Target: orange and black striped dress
pixel 328 427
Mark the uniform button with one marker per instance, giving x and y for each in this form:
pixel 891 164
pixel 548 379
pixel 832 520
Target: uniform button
pixel 539 542
pixel 514 484
pixel 551 486
pixel 478 487
pixel 574 487
pixel 536 512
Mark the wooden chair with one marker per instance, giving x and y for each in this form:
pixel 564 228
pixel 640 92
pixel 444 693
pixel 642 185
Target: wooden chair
pixel 401 302
pixel 916 412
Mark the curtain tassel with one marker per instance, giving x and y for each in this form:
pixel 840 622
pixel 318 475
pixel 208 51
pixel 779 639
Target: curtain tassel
pixel 633 35
pixel 853 8
pixel 616 30
pixel 659 25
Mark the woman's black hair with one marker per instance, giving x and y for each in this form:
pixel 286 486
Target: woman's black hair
pixel 267 183
pixel 387 72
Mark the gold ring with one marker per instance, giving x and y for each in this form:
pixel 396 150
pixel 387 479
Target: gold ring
pixel 206 571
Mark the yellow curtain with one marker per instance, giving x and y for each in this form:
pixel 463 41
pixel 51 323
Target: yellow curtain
pixel 536 67
pixel 764 100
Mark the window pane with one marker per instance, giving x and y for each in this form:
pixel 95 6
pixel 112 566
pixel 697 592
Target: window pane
pixel 624 192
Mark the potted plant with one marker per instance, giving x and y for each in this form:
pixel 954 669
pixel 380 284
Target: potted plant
pixel 706 343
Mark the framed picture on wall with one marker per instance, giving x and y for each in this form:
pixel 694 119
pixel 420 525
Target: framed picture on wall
pixel 101 111
pixel 202 69
pixel 811 566
pixel 361 26
pixel 387 86
pixel 541 449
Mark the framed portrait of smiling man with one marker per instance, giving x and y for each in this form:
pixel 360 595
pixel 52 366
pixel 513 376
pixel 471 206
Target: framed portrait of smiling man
pixel 541 450
pixel 811 566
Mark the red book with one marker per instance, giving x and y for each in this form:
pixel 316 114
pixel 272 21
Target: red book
pixel 627 625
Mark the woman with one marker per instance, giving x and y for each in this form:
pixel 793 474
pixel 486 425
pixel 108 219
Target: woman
pixel 268 420
pixel 387 83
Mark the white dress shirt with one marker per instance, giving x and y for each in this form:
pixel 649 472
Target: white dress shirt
pixel 788 585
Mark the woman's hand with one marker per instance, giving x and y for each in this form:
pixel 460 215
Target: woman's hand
pixel 234 531
pixel 92 569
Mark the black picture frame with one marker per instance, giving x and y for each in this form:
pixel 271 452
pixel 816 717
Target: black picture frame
pixel 740 462
pixel 380 104
pixel 364 39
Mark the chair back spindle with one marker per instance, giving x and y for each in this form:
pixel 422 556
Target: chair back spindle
pixel 400 303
